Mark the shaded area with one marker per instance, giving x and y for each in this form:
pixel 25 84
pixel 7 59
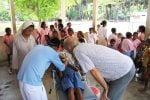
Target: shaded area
pixel 9 89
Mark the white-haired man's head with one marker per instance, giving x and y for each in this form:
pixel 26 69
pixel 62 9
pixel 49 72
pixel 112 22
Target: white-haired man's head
pixel 70 43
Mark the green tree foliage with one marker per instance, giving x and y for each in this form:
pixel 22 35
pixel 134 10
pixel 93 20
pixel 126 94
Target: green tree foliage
pixel 4 11
pixel 42 9
pixel 76 9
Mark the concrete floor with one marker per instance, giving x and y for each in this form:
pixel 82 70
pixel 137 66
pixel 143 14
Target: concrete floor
pixel 9 89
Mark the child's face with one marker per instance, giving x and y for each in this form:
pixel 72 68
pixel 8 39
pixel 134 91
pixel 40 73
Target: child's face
pixel 63 58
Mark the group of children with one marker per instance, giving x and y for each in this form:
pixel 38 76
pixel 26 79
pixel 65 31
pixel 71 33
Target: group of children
pixel 56 34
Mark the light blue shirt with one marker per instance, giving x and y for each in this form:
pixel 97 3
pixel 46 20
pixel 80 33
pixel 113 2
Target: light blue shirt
pixel 36 63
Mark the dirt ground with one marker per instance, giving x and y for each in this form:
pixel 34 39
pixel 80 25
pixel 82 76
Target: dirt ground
pixel 9 88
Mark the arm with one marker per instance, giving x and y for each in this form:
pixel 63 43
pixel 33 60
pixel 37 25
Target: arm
pixel 60 65
pixel 99 78
pixel 4 41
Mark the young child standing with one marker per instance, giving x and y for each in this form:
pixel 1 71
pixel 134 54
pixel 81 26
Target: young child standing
pixel 92 36
pixel 71 80
pixel 112 44
pixel 8 41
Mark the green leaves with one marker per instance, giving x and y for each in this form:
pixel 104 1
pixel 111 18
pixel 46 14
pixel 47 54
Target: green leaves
pixel 41 9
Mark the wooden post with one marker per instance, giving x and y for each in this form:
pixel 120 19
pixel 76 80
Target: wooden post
pixel 148 20
pixel 63 10
pixel 95 8
pixel 13 19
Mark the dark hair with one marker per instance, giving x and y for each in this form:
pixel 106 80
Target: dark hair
pixel 51 26
pixel 62 31
pixel 112 41
pixel 90 29
pixel 32 26
pixel 59 21
pixel 70 30
pixel 7 29
pixel 55 42
pixel 81 40
pixel 42 24
pixel 68 23
pixel 142 28
pixel 113 30
pixel 60 27
pixel 104 23
pixel 128 35
pixel 135 33
pixel 81 33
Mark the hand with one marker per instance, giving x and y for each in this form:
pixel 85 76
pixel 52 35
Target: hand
pixel 75 68
pixel 104 96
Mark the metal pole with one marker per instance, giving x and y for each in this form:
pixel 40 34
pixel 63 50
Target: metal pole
pixel 13 19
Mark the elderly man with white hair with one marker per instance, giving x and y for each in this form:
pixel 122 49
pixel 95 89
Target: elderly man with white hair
pixel 110 68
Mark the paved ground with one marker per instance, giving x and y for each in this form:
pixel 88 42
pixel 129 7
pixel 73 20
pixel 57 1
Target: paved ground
pixel 9 88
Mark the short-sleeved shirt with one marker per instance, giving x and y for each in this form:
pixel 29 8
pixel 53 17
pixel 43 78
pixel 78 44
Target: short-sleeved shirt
pixel 102 32
pixel 127 45
pixel 36 63
pixel 111 63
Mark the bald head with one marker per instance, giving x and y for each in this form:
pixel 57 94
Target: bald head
pixel 70 43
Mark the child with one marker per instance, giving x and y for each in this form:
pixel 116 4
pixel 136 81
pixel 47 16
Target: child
pixel 8 40
pixel 112 44
pixel 71 81
pixel 52 29
pixel 81 37
pixel 92 36
pixel 127 45
pixel 136 41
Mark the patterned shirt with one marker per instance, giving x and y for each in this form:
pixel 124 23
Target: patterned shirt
pixel 112 64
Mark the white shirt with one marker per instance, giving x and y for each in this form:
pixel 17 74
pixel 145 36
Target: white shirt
pixel 102 32
pixel 112 64
pixel 112 36
pixel 92 38
pixel 21 47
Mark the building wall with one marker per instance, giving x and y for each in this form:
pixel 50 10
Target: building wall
pixel 3 55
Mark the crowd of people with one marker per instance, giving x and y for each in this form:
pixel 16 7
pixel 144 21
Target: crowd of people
pixel 111 60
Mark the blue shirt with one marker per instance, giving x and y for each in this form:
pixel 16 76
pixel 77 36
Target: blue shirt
pixel 36 63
